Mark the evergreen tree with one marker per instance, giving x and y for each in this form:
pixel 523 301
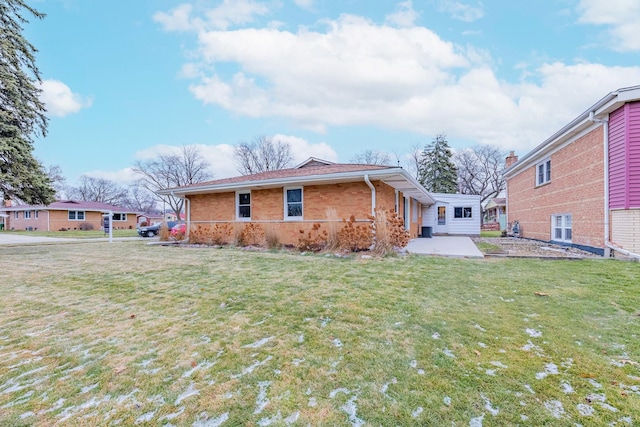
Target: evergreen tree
pixel 21 111
pixel 437 172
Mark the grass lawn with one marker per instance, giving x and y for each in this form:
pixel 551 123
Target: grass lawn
pixel 131 334
pixel 76 234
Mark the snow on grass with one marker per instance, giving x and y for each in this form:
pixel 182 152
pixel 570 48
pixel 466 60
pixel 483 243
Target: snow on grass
pixel 351 409
pixel 566 387
pixel 261 399
pixel 251 368
pixel 549 369
pixel 258 343
pixel 534 333
pixel 555 408
pixel 419 410
pixel 477 421
pixel 214 422
pixel 190 391
pixel 489 407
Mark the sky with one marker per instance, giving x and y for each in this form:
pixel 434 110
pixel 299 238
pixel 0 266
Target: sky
pixel 124 81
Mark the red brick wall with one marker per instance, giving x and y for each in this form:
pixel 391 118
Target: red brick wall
pixel 267 207
pixel 576 188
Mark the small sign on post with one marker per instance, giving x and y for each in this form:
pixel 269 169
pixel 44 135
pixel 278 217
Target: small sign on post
pixel 105 225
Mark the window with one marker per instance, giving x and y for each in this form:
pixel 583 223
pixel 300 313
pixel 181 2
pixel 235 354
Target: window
pixel 293 203
pixel 462 212
pixel 119 217
pixel 243 201
pixel 16 214
pixel 76 215
pixel 36 214
pixel 544 172
pixel 442 215
pixel 561 228
pixel 27 214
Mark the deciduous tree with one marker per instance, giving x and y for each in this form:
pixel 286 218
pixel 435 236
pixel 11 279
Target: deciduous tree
pixel 480 171
pixel 98 190
pixel 22 114
pixel 262 155
pixel 371 157
pixel 187 166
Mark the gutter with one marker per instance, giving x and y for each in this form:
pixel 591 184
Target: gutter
pixel 373 194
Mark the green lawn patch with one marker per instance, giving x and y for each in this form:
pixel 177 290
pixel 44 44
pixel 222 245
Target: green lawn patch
pixel 75 234
pixel 131 334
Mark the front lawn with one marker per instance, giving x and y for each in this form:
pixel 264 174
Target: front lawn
pixel 76 234
pixel 131 334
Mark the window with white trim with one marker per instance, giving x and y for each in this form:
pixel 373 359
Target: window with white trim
pixel 36 214
pixel 561 228
pixel 543 172
pixel 16 214
pixel 76 215
pixel 462 212
pixel 27 214
pixel 243 205
pixel 119 217
pixel 293 203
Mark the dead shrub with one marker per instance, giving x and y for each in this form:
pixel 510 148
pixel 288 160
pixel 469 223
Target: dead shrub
pixel 314 240
pixel 332 229
pixel 272 238
pixel 85 226
pixel 164 233
pixel 217 235
pixel 389 232
pixel 251 235
pixel 354 237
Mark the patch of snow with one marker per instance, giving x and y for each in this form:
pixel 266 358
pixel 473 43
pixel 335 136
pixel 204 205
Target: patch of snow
pixel 203 365
pixel 479 328
pixel 435 336
pixel 491 372
pixel 297 362
pixel 549 369
pixel 477 421
pixel 173 414
pixel 312 402
pixel 534 333
pixel 336 342
pixel 144 418
pixel 482 345
pixel 350 408
pixel 413 364
pixel 333 393
pixel 261 399
pixel 608 407
pixel 420 371
pixel 325 321
pixel 594 383
pixel 250 369
pixel 529 389
pixel 555 408
pixel 585 410
pixel 487 405
pixel 449 353
pixel 301 338
pixel 258 343
pixel 566 387
pixel 499 364
pixel 190 391
pixel 417 412
pixel 524 417
pixel 214 422
pixel 292 418
pixel 447 400
pixel 27 415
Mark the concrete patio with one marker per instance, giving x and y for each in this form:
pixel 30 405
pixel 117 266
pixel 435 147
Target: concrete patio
pixel 449 246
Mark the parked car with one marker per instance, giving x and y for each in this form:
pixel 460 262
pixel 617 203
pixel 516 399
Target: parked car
pixel 180 228
pixel 153 230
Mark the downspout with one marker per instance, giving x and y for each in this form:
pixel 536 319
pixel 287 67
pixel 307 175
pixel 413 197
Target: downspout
pixel 373 195
pixel 608 244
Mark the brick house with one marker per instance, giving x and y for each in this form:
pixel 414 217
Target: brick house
pixel 66 214
pixel 581 187
pixel 286 201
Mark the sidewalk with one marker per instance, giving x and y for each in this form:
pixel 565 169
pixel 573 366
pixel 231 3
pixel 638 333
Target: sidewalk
pixel 449 246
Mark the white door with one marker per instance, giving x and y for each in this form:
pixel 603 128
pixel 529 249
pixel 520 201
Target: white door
pixel 441 220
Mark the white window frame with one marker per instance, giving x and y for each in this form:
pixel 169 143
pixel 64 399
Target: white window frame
pixel 16 215
pixel 35 214
pixel 75 216
pixel 27 214
pixel 286 204
pixel 566 224
pixel 464 209
pixel 238 217
pixel 123 216
pixel 546 172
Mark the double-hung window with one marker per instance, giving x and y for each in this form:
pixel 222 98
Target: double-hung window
pixel 27 214
pixel 243 206
pixel 293 203
pixel 561 228
pixel 76 215
pixel 16 214
pixel 119 217
pixel 543 172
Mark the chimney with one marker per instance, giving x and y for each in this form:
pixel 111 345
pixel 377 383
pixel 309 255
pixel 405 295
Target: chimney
pixel 7 203
pixel 510 160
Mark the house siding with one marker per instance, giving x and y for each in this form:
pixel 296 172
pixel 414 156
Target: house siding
pixel 624 157
pixel 267 207
pixel 454 226
pixel 576 188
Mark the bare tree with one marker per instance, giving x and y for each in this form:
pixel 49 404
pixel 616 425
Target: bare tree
pixel 262 155
pixel 98 190
pixel 414 160
pixel 371 157
pixel 480 171
pixel 173 170
pixel 140 199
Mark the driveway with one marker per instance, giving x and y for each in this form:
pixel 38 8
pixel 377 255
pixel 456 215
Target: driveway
pixel 449 246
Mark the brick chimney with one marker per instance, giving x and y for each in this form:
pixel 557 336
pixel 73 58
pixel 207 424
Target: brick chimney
pixel 510 160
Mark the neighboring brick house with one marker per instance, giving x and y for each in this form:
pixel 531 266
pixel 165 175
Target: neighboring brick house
pixel 286 201
pixel 581 187
pixel 68 215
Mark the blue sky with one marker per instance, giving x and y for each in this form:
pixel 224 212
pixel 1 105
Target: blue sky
pixel 125 80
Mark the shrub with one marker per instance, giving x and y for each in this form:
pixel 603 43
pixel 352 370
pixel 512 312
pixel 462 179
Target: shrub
pixel 85 226
pixel 251 235
pixel 333 226
pixel 355 237
pixel 314 240
pixel 143 224
pixel 164 232
pixel 389 232
pixel 219 234
pixel 272 239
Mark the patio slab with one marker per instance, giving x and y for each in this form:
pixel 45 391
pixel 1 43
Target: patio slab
pixel 449 246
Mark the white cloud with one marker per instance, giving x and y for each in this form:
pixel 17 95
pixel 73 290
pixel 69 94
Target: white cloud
pixel 404 16
pixel 461 11
pixel 305 4
pixel 122 177
pixel 59 100
pixel 621 16
pixel 225 15
pixel 356 72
